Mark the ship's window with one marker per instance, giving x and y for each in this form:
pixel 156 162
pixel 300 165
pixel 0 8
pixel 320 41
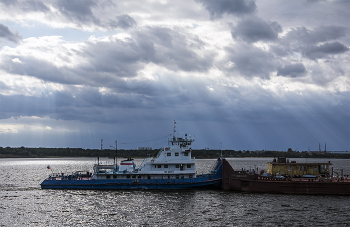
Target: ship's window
pixel 139 176
pixel 188 165
pixel 165 166
pixel 190 176
pixel 133 176
pixel 177 166
pixel 115 176
pixel 315 168
pixel 108 176
pixel 186 154
pixel 290 168
pixel 300 168
pixel 168 154
pixel 304 168
pixel 127 176
pixel 177 176
pixel 176 154
pixel 159 166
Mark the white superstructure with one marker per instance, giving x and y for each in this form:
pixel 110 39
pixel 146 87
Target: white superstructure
pixel 174 159
pixel 172 162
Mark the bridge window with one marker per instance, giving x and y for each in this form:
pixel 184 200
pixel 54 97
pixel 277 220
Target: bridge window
pixel 165 166
pixel 176 154
pixel 188 166
pixel 168 154
pixel 159 166
pixel 177 166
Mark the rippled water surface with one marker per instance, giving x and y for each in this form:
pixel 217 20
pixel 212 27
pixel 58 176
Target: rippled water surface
pixel 23 203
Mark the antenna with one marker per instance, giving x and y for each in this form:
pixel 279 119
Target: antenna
pixel 221 149
pixel 116 153
pixel 174 126
pixel 101 144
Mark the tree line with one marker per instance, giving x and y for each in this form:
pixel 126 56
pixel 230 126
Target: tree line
pixel 41 152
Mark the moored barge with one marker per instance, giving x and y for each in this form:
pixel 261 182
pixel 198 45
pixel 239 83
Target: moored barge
pixel 308 178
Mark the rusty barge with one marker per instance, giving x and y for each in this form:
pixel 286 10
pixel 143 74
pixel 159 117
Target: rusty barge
pixel 303 178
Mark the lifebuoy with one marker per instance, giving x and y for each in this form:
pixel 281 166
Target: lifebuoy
pixel 152 160
pixel 167 148
pixel 136 170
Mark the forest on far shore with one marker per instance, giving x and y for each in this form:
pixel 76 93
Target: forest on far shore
pixel 41 152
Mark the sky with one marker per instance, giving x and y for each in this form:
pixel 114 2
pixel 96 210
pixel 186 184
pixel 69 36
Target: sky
pixel 234 74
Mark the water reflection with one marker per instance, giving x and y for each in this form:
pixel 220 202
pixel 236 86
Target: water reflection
pixel 24 203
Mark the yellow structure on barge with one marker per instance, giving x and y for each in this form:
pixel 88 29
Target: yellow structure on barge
pixel 283 167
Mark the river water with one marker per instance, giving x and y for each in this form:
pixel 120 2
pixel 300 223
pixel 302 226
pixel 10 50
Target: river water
pixel 23 203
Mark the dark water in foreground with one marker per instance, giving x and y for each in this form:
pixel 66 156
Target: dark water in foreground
pixel 23 203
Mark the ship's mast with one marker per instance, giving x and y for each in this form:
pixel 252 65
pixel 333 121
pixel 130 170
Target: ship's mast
pixel 116 154
pixel 174 127
pixel 221 150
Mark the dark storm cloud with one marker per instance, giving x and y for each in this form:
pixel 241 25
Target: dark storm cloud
pixel 123 21
pixel 312 44
pixel 220 7
pixel 36 6
pixel 122 58
pixel 8 2
pixel 6 33
pixel 319 34
pixel 176 51
pixel 40 69
pixel 81 12
pixel 160 46
pixel 254 29
pixel 250 61
pixel 322 51
pixel 280 50
pixel 27 6
pixel 78 10
pixel 293 70
pixel 85 104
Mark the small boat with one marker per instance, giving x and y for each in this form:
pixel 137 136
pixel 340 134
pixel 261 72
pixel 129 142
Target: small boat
pixel 172 168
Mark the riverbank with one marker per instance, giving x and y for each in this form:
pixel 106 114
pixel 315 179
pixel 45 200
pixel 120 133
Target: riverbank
pixel 23 152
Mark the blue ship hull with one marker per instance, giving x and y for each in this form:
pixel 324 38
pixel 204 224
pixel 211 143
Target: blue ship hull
pixel 116 184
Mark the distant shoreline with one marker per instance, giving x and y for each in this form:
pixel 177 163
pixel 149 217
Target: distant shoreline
pixel 23 152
